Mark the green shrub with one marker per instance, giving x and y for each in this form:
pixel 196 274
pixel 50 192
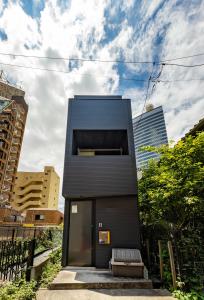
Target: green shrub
pixel 18 290
pixel 52 268
pixel 193 295
pixel 22 290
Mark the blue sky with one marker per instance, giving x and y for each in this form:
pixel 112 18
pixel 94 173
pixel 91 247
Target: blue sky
pixel 107 30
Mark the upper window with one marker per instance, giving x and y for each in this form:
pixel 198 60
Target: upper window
pixel 39 217
pixel 99 142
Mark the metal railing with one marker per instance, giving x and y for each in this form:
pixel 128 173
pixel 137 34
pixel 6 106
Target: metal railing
pixel 19 246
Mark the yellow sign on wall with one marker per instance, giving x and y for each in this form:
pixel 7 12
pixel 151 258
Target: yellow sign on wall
pixel 28 225
pixel 104 237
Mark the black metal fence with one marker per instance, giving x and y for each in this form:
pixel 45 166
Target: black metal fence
pixel 13 259
pixel 20 246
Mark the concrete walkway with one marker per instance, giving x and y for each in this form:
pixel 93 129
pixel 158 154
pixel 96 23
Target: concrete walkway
pixel 92 278
pixel 74 283
pixel 104 294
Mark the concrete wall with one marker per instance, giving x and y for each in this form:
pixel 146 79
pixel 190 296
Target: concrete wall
pixel 13 119
pixel 36 190
pixel 7 90
pixel 51 217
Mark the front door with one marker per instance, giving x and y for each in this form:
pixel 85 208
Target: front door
pixel 80 233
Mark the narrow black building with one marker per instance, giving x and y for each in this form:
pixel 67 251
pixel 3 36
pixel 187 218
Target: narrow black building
pixel 100 183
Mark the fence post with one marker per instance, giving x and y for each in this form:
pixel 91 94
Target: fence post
pixel 30 260
pixel 161 267
pixel 173 270
pixel 148 252
pixel 13 234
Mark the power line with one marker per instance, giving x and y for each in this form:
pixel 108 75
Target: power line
pixel 180 80
pixel 183 57
pixel 66 72
pixel 99 60
pixel 146 96
pixel 34 68
pixel 77 59
pixel 185 66
pixel 125 79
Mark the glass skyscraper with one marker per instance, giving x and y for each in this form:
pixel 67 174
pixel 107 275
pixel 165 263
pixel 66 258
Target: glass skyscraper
pixel 149 130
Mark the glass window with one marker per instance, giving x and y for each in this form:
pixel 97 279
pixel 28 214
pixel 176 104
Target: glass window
pixel 39 217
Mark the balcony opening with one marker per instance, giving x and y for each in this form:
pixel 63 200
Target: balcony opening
pixel 99 142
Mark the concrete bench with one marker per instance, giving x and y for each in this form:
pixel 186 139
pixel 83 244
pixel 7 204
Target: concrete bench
pixel 127 263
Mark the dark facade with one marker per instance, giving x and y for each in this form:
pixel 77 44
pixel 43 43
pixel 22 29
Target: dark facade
pixel 100 184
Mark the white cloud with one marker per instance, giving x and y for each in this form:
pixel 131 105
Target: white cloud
pixel 77 31
pixel 183 102
pixel 1 5
pixel 74 32
pixel 149 7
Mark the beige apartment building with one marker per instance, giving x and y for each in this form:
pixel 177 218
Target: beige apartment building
pixel 13 113
pixel 36 190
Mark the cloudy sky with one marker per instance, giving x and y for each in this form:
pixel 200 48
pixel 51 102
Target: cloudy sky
pixel 117 30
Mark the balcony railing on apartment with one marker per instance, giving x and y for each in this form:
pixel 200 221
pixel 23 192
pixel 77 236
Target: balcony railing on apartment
pixel 14 150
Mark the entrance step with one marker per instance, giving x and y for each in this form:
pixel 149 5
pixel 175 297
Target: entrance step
pixel 104 294
pixel 91 278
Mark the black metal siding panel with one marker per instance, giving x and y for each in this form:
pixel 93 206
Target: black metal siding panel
pixel 65 242
pixel 101 175
pixel 104 175
pixel 120 216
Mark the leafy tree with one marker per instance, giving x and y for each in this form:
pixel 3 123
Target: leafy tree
pixel 171 190
pixel 171 196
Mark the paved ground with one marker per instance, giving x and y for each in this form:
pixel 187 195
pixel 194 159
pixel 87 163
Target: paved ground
pixel 100 294
pixel 91 278
pixel 73 283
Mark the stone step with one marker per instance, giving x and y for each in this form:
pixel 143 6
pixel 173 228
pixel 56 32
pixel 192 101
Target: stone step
pixel 95 279
pixel 104 294
pixel 140 284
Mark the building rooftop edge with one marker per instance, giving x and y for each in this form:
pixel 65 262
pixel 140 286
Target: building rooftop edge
pixel 12 85
pixel 147 112
pixel 45 167
pixel 97 97
pixel 196 128
pixel 43 208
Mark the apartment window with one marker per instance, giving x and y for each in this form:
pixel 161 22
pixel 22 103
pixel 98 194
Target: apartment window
pixel 100 142
pixel 39 217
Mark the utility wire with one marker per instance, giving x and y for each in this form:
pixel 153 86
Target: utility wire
pixel 146 96
pixel 99 60
pixel 183 57
pixel 156 78
pixel 125 79
pixel 66 72
pixel 185 66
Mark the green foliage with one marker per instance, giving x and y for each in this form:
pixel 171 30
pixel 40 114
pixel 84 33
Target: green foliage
pixel 171 189
pixel 18 290
pixel 52 268
pixel 49 239
pixel 171 197
pixel 193 295
pixel 22 290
